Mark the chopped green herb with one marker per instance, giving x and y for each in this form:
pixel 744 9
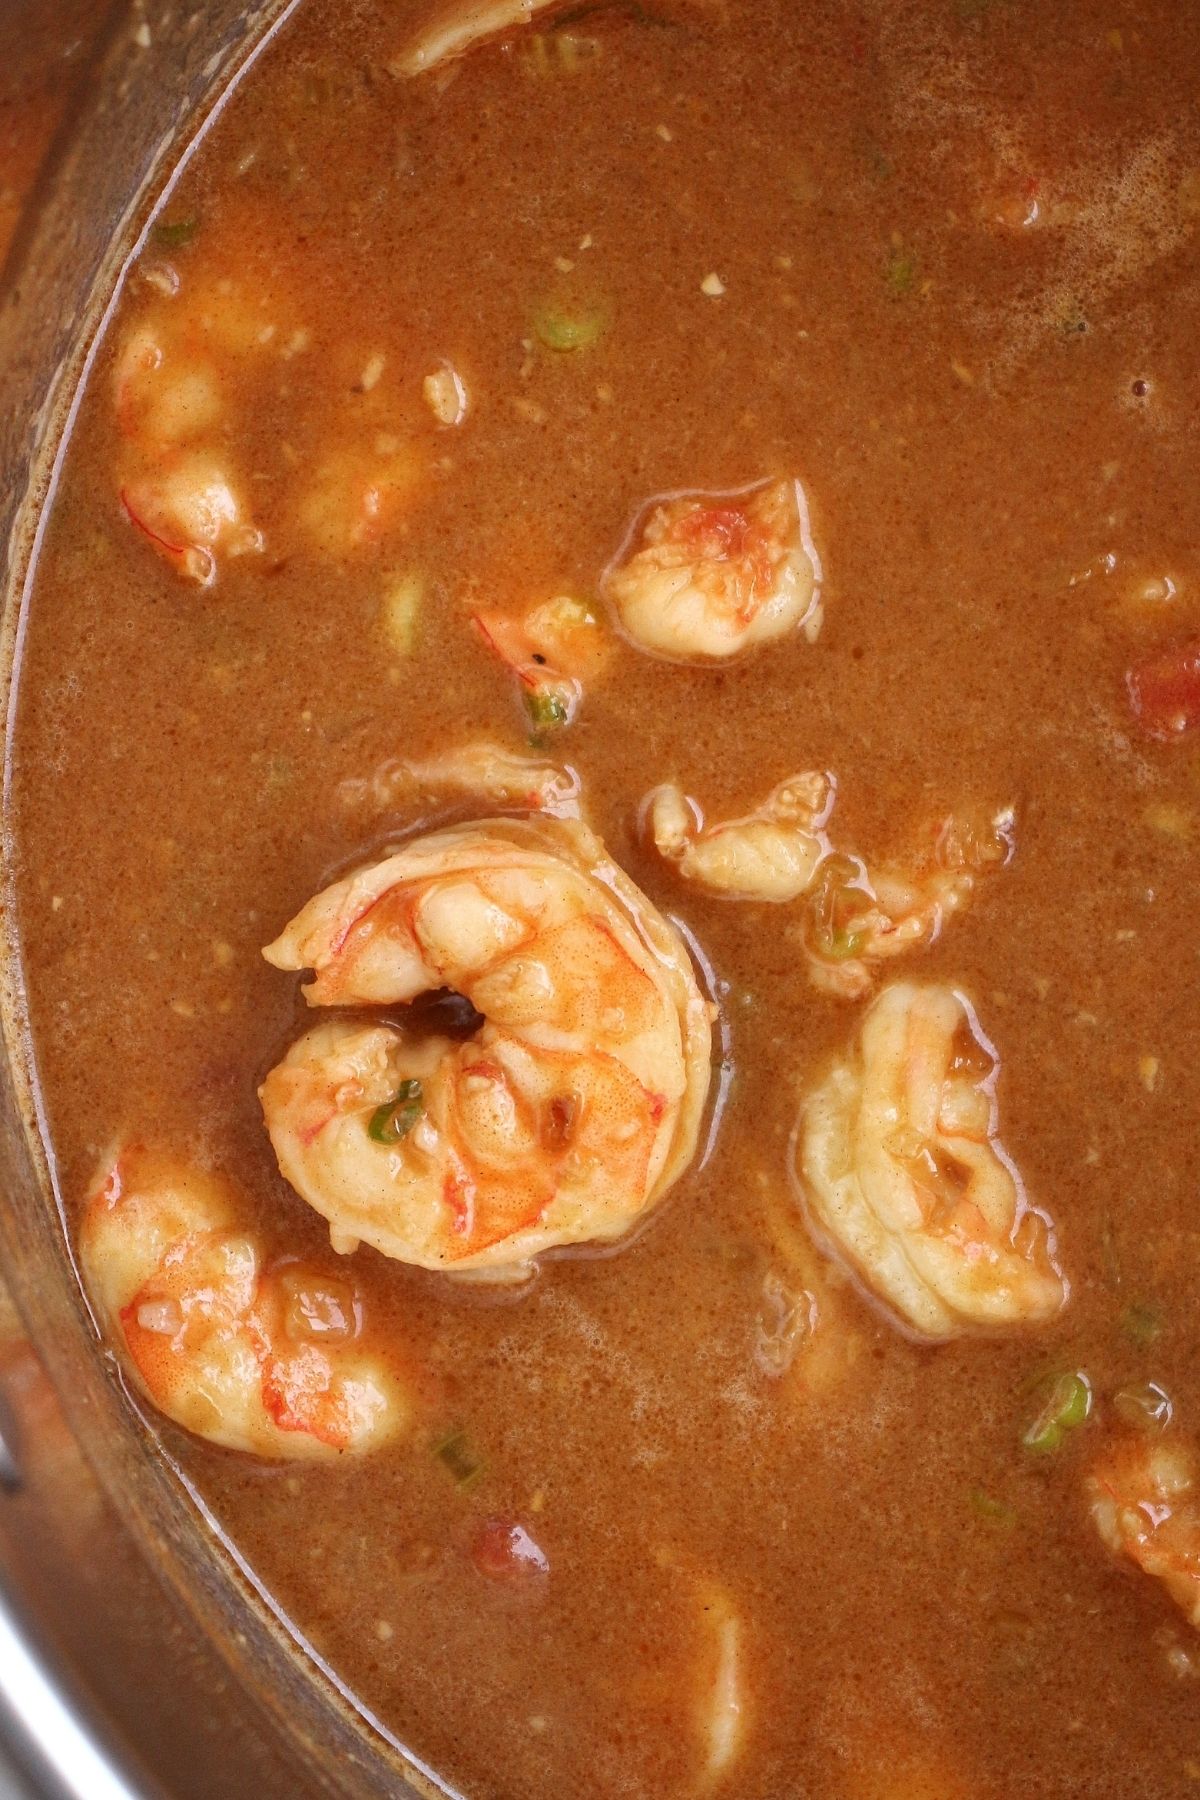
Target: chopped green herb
pixel 1067 1404
pixel 457 1457
pixel 547 710
pixel 172 234
pixel 396 1117
pixel 1142 1321
pixel 1145 1405
pixel 996 1512
pixel 901 272
pixel 563 331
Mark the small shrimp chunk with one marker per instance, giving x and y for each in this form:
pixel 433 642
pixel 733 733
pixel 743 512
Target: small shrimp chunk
pixel 264 1356
pixel 456 28
pixel 857 918
pixel 714 575
pixel 552 650
pixel 171 382
pixel 770 854
pixel 482 769
pixel 1144 1496
pixel 562 1119
pixel 904 1177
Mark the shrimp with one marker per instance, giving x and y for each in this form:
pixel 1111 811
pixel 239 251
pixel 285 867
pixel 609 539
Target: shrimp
pixel 1144 1496
pixel 357 493
pixel 175 368
pixel 903 1175
pixel 456 28
pixel 562 1119
pixel 856 918
pixel 722 1708
pixel 262 1355
pixel 808 1332
pixel 770 854
pixel 551 651
pixel 485 770
pixel 713 575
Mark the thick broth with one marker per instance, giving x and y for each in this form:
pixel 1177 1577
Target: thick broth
pixel 979 412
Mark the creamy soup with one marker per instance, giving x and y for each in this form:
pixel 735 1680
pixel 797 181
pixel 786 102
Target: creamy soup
pixel 678 521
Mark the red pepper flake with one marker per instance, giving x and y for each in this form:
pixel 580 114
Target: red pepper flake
pixel 1164 691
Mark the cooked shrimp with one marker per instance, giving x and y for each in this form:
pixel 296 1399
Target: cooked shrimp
pixel 904 1176
pixel 1144 1495
pixel 456 28
pixel 854 918
pixel 857 918
pixel 572 1109
pixel 177 365
pixel 770 854
pixel 722 1700
pixel 808 1333
pixel 482 769
pixel 712 575
pixel 357 494
pixel 260 1355
pixel 551 650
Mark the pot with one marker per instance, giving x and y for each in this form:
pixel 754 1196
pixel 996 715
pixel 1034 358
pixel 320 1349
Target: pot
pixel 136 1655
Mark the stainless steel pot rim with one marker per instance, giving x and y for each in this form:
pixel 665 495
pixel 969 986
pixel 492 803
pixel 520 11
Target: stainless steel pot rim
pixel 50 1741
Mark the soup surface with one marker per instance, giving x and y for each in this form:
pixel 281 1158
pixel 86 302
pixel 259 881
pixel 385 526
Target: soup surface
pixel 703 1511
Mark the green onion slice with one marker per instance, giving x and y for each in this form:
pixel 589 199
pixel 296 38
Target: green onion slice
pixel 562 330
pixel 1145 1405
pixel 547 710
pixel 397 1116
pixel 1067 1405
pixel 172 234
pixel 460 1460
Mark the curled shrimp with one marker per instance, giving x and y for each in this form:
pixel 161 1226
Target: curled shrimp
pixel 177 366
pixel 857 917
pixel 771 854
pixel 570 1111
pixel 709 576
pixel 903 1174
pixel 1144 1496
pixel 263 1355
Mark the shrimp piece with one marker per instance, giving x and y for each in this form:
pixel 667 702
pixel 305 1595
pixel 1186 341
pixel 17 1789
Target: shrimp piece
pixel 713 575
pixel 258 1355
pixel 1144 1497
pixel 722 1708
pixel 551 651
pixel 904 1177
pixel 357 495
pixel 457 28
pixel 176 368
pixel 771 854
pixel 562 1119
pixel 857 918
pixel 483 769
pixel 807 1335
